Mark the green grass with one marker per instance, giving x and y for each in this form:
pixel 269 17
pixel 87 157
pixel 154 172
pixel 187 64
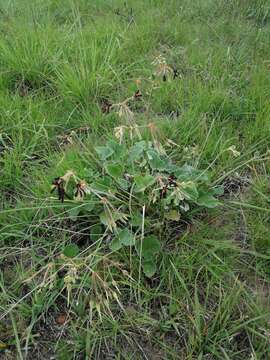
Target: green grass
pixel 209 298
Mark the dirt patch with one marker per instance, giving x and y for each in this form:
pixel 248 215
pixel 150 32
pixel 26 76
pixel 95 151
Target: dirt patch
pixel 47 332
pixel 236 184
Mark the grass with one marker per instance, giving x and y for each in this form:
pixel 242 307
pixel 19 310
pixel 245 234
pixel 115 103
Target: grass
pixel 59 62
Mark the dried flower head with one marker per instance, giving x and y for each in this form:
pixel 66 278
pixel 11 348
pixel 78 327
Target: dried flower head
pixel 138 82
pixel 137 95
pixel 105 106
pixel 64 140
pixel 68 175
pixel 58 185
pixel 125 112
pixel 171 143
pixel 136 129
pixel 70 280
pixel 81 190
pixel 233 150
pixel 119 132
pixel 162 69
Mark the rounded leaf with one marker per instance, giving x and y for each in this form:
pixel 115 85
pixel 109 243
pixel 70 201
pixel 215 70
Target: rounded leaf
pixel 96 232
pixel 208 201
pixel 126 237
pixel 150 246
pixel 104 152
pixel 71 250
pixel 143 182
pixel 173 215
pixel 149 268
pixel 115 170
pixel 74 212
pixel 116 244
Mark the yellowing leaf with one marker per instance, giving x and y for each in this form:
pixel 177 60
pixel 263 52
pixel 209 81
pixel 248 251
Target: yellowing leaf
pixel 3 346
pixel 173 215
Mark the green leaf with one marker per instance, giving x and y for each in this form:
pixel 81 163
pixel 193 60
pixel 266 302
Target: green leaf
pixel 116 244
pixel 96 232
pixel 118 149
pixel 136 151
pixel 71 250
pixel 173 307
pixel 189 190
pixel 107 219
pixel 104 152
pixel 143 182
pixel 126 237
pixel 208 201
pixel 103 184
pixel 187 172
pixel 74 212
pixel 155 161
pixel 123 238
pixel 149 267
pixel 116 170
pixel 89 206
pixel 136 219
pixel 123 183
pixel 218 190
pixel 150 246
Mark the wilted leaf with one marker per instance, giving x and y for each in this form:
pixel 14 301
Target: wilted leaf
pixel 173 215
pixel 3 346
pixel 61 319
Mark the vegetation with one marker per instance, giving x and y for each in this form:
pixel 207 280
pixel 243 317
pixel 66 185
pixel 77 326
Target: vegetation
pixel 134 163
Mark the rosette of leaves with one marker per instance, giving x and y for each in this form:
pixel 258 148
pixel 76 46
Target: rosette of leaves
pixel 130 177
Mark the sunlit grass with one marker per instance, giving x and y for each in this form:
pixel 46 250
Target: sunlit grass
pixel 61 64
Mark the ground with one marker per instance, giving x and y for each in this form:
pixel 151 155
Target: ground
pixel 202 71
